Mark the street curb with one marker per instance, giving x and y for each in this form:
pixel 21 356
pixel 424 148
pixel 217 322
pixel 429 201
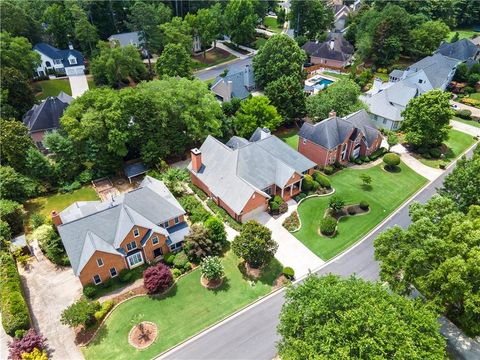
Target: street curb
pixel 282 289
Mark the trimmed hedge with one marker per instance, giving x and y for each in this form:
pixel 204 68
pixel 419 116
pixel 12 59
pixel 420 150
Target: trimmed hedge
pixel 222 214
pixel 14 309
pixel 105 308
pixel 288 272
pixel 464 114
pixel 328 226
pixel 278 205
pixel 322 180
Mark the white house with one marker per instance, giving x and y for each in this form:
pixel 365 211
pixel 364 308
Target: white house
pixel 54 61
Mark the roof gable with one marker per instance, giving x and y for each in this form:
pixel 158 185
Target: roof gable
pixel 462 49
pixel 47 114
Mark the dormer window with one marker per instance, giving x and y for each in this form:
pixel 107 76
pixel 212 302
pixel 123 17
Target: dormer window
pixel 136 232
pixel 72 60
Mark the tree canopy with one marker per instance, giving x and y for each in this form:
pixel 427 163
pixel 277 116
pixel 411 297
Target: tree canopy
pixel 426 119
pixel 333 318
pixel 438 254
pixel 17 95
pixel 341 97
pixel 287 95
pixel 426 37
pixel 174 61
pixel 15 143
pixel 280 56
pixel 240 21
pixel 310 18
pixel 16 52
pixel 256 112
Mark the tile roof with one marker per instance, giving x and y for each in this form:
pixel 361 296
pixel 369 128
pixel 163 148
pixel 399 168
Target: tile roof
pixel 47 114
pixel 461 50
pixel 54 53
pixel 248 168
pixel 89 226
pixel 333 131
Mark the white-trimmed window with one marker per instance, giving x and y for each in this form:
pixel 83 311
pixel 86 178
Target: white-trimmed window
pixel 136 232
pixel 165 225
pixel 97 279
pixel 131 246
pixel 344 151
pixel 155 240
pixel 72 60
pixel 100 262
pixel 57 61
pixel 135 259
pixel 113 272
pixel 176 220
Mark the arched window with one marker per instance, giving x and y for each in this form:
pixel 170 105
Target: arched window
pixel 47 64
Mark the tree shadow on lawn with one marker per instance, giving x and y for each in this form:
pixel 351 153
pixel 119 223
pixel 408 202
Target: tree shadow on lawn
pixel 366 187
pixel 100 336
pixel 392 169
pixel 222 288
pixel 269 273
pixel 171 292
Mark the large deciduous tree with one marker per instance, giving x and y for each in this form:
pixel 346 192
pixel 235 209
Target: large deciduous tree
pixel 199 244
pixel 438 254
pixel 17 53
pixel 210 24
pixel 17 95
pixel 341 97
pixel 15 186
pixel 256 112
pixel 426 37
pixel 15 143
pixel 287 95
pixel 426 119
pixel 174 61
pixel 58 24
pixel 85 32
pixel 280 56
pixel 310 18
pixel 19 22
pixel 177 31
pixel 115 64
pixel 462 185
pixel 255 244
pixel 240 21
pixel 333 318
pixel 68 160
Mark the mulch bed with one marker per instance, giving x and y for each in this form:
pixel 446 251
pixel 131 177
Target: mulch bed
pixel 345 211
pixel 143 335
pixel 211 284
pixel 281 281
pixel 252 272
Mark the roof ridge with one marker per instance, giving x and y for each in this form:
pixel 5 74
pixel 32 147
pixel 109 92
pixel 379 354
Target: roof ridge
pixel 88 215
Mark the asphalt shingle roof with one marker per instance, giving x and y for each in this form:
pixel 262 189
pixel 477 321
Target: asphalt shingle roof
pixel 47 114
pixel 128 38
pixel 461 50
pixel 342 50
pixel 240 88
pixel 54 53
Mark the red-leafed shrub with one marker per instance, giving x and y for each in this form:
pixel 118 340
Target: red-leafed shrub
pixel 157 278
pixel 26 344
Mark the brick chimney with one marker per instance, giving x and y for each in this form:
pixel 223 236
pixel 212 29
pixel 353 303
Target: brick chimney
pixel 196 159
pixel 332 113
pixel 56 220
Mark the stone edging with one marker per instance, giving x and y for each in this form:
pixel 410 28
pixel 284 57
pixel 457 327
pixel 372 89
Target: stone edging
pixel 123 301
pixel 305 198
pixel 133 328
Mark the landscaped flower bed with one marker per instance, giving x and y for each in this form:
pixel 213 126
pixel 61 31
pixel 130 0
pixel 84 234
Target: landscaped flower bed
pixel 292 222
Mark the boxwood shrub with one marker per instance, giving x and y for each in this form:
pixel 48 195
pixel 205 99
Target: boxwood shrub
pixel 288 272
pixel 195 210
pixel 322 180
pixel 14 309
pixel 328 225
pixel 90 291
pixel 364 205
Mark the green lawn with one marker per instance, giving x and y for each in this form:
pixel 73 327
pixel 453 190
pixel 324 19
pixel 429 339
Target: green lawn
pixel 475 96
pixel 272 25
pixel 382 76
pixel 463 33
pixel 457 142
pixel 290 137
pixel 336 75
pixel 213 57
pixel 184 311
pixel 46 88
pixel 468 122
pixel 387 192
pixel 46 204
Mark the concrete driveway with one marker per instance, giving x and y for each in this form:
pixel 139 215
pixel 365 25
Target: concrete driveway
pixel 460 106
pixel 49 290
pixel 78 84
pixel 291 252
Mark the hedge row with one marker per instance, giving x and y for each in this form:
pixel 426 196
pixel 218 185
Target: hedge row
pixel 194 208
pixel 222 214
pixel 14 309
pixel 200 193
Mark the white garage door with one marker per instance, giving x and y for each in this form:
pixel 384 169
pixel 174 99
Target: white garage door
pixel 74 71
pixel 252 215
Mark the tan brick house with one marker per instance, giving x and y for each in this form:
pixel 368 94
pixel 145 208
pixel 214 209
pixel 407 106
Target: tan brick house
pixel 335 52
pixel 103 238
pixel 242 175
pixel 339 139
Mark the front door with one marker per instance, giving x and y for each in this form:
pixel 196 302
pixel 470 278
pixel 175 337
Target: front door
pixel 157 252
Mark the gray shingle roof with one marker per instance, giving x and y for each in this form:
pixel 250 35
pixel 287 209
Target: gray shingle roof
pixel 436 67
pixel 461 50
pixel 248 169
pixel 333 131
pixel 236 142
pixel 341 50
pixel 47 114
pixel 91 226
pixel 243 82
pixel 128 38
pixel 54 53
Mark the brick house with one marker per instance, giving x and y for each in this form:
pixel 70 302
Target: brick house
pixel 103 238
pixel 45 117
pixel 242 175
pixel 339 139
pixel 336 52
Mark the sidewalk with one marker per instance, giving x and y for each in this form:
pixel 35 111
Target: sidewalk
pixel 222 46
pixel 468 129
pixel 460 106
pixel 426 171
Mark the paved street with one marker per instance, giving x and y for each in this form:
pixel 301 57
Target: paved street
pixel 251 334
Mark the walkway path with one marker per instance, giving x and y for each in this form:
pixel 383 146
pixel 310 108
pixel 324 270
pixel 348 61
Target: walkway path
pixel 291 252
pixel 468 129
pixel 459 106
pixel 222 46
pixel 424 170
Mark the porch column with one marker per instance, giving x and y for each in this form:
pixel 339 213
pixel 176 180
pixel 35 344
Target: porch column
pixel 291 190
pixel 282 193
pixel 301 184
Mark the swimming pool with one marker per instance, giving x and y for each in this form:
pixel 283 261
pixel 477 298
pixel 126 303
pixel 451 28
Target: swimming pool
pixel 322 84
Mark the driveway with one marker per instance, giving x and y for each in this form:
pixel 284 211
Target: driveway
pixel 291 252
pixel 78 84
pixel 414 164
pixel 468 129
pixel 460 106
pixel 49 290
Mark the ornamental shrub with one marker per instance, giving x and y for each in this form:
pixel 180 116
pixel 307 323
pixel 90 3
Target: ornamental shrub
pixel 35 355
pixel 292 222
pixel 37 220
pixel 51 244
pixel 336 204
pixel 90 290
pixel 322 180
pixel 195 210
pixel 180 260
pixel 288 272
pixel 81 312
pixel 212 268
pixel 157 278
pixel 105 308
pixel 197 245
pixel 307 183
pixel 168 258
pixel 12 213
pixel 464 114
pixel 176 273
pixel 216 230
pixel 391 160
pixel 328 226
pixel 328 170
pixel 364 205
pixel 29 342
pixel 125 275
pixel 435 153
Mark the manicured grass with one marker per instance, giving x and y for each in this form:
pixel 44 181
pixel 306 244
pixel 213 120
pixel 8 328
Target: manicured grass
pixel 46 88
pixel 382 76
pixel 290 137
pixel 336 75
pixel 475 96
pixel 213 57
pixel 46 204
pixel 258 43
pixel 468 122
pixel 462 33
pixel 387 192
pixel 272 25
pixel 184 311
pixel 457 142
